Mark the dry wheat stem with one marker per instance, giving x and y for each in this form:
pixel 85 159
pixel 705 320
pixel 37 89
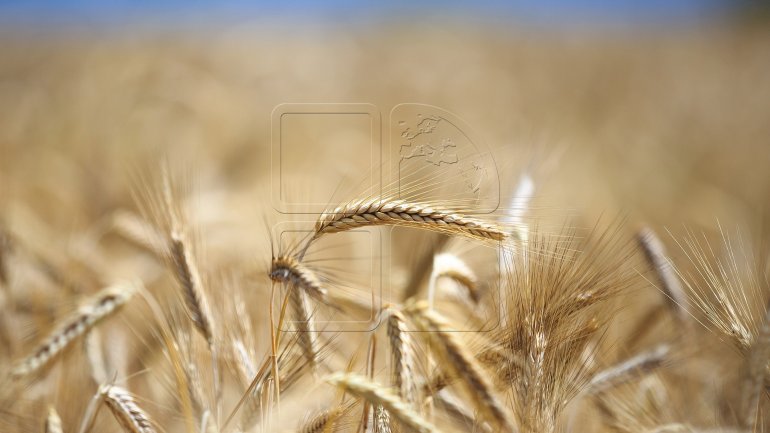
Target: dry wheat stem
pixel 377 394
pixel 102 305
pixel 655 253
pixel 53 421
pixel 125 410
pixel 630 369
pixel 462 365
pixel 304 324
pixel 402 356
pixel 95 355
pixel 363 213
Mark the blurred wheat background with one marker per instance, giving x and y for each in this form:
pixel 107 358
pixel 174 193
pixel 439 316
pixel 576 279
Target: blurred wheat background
pixel 660 124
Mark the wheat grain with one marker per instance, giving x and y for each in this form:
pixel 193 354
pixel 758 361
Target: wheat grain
pixel 102 305
pixel 376 394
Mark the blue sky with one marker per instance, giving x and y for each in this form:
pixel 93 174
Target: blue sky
pixel 73 11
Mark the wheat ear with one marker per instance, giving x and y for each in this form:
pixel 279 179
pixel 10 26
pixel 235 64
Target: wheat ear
pixel 377 394
pixel 188 276
pixel 655 253
pixel 53 421
pixel 362 213
pixel 625 371
pixel 287 269
pixel 102 305
pixel 125 410
pixel 402 356
pixel 462 365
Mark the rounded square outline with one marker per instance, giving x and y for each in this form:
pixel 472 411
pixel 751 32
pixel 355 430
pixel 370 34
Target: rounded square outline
pixel 319 108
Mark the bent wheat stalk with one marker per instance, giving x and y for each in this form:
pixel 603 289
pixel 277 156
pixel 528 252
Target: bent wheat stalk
pixel 102 305
pixel 378 395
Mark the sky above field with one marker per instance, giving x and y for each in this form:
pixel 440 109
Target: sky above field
pixel 537 11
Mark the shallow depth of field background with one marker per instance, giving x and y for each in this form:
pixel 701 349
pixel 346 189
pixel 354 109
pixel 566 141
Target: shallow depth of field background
pixel 662 113
pixel 659 114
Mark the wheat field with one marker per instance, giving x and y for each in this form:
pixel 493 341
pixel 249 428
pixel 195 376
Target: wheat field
pixel 245 229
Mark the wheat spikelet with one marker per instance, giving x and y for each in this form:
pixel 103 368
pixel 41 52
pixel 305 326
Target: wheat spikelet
pixel 102 305
pixel 402 356
pixel 53 421
pixel 362 213
pixel 462 365
pixel 655 253
pixel 627 370
pixel 288 269
pixel 381 420
pixel 125 410
pixel 376 394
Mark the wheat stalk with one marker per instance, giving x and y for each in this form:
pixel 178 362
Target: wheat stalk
pixel 462 365
pixel 125 410
pixel 304 324
pixel 376 394
pixel 102 305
